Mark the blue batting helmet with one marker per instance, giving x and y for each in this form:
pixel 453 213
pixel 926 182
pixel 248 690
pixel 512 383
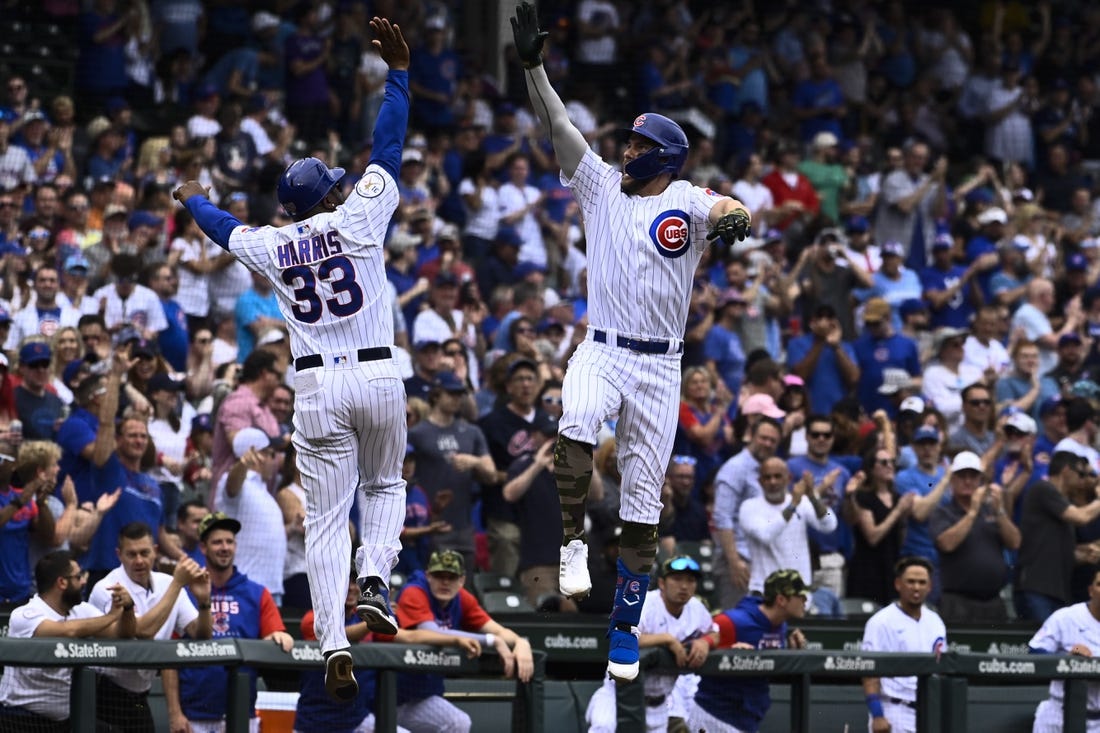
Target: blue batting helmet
pixel 305 183
pixel 672 147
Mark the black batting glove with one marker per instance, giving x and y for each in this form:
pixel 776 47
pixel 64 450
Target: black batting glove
pixel 732 227
pixel 527 36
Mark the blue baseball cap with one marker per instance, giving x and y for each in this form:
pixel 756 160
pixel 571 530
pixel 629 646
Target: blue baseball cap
pixel 509 236
pixel 1076 262
pixel 980 196
pixel 1050 404
pixel 5 316
pixel 71 370
pixel 857 224
pixel 911 306
pixel 449 382
pixel 76 262
pixel 202 422
pixel 524 269
pixel 926 432
pixel 943 241
pixel 33 352
pixel 142 218
pixel 896 249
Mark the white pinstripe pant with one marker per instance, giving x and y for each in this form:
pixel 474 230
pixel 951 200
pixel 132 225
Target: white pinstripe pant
pixel 644 389
pixel 349 431
pixel 433 715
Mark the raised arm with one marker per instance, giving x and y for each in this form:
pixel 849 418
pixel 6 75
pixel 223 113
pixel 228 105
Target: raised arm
pixel 393 116
pixel 569 144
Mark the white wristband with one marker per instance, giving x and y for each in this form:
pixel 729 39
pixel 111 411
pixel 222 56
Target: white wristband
pixel 490 640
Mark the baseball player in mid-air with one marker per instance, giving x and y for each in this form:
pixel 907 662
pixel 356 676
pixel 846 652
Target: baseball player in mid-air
pixel 675 619
pixel 646 232
pixel 906 625
pixel 328 272
pixel 1072 630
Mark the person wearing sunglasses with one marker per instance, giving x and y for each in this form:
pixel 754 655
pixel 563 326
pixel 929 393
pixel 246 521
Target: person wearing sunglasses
pixel 971 534
pixel 975 434
pixel 676 619
pixel 877 515
pixel 757 622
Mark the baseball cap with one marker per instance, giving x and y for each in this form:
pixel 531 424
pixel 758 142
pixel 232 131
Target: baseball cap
pixel 926 433
pixel 202 422
pixel 436 23
pixel 161 381
pixel 411 155
pixel 912 404
pixel 1069 338
pixel 993 215
pixel 966 461
pixel 250 438
pixel 426 344
pixel 524 269
pixel 112 210
pixel 825 139
pixel 143 347
pixel 876 310
pixel 1023 422
pixel 894 380
pixel 944 334
pixel 263 20
pixel 449 382
pixel 509 236
pixel 217 520
pixel 911 306
pixel 545 424
pixel 773 235
pixel 1076 262
pixel 447 561
pixel 71 370
pixel 271 336
pixel 34 352
pixel 856 225
pixel 943 241
pixel 444 279
pixel 793 380
pixel 76 262
pixel 402 242
pixel 893 249
pixel 142 218
pixel 681 564
pixel 34 115
pixel 762 404
pixel 1049 405
pixel 448 231
pixel 728 296
pixel 518 364
pixel 785 583
pixel 5 316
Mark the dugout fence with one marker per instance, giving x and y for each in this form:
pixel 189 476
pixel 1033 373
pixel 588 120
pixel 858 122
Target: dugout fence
pixel 83 655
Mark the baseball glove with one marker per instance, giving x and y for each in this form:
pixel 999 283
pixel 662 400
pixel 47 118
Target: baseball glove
pixel 732 227
pixel 527 36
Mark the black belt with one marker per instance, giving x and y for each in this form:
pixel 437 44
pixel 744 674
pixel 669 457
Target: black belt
pixel 899 701
pixel 312 361
pixel 652 701
pixel 642 347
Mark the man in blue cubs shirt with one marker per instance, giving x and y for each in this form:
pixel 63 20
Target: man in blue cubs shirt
pixel 239 609
pixel 318 711
pixel 739 704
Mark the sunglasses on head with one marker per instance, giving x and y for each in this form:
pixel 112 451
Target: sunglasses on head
pixel 682 564
pixel 684 460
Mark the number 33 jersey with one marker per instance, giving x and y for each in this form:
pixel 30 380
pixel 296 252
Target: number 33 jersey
pixel 328 271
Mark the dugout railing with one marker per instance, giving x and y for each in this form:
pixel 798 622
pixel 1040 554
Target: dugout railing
pixel 942 680
pixel 387 659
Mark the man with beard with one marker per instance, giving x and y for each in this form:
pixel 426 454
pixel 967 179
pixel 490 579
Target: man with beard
pixel 904 626
pixel 646 233
pixel 33 698
pixel 240 609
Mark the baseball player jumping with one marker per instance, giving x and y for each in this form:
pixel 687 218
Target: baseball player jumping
pixel 646 232
pixel 328 272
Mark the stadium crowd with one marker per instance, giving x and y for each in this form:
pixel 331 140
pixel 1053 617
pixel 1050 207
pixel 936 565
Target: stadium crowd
pixel 904 360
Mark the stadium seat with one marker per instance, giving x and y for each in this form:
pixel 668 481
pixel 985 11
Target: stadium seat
pixel 486 582
pixel 856 608
pixel 502 601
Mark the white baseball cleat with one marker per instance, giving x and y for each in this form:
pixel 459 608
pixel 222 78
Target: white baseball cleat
pixel 573 578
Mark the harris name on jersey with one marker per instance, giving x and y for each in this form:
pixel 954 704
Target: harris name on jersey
pixel 308 249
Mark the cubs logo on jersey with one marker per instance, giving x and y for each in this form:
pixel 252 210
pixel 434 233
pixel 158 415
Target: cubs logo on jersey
pixel 669 232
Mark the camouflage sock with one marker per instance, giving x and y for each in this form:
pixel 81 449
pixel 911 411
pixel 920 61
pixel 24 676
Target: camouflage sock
pixel 638 547
pixel 573 473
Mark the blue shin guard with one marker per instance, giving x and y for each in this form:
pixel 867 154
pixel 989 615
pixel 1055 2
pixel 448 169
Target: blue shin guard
pixel 622 656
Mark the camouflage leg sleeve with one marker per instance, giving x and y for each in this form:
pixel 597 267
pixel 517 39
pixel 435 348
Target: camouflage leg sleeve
pixel 573 473
pixel 638 547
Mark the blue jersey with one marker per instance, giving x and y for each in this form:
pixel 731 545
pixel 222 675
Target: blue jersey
pixel 742 701
pixel 15 567
pixel 76 433
pixel 825 386
pixel 956 312
pixel 873 356
pixel 975 248
pixel 173 341
pixel 723 347
pixel 236 613
pixel 140 501
pixel 840 539
pixel 918 542
pixel 414 553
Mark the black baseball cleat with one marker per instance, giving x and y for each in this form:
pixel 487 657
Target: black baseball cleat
pixel 339 678
pixel 374 607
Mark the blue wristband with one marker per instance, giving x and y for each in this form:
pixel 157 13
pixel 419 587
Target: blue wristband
pixel 874 705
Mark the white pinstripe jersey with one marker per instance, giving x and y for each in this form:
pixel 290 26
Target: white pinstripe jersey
pixel 642 250
pixel 328 271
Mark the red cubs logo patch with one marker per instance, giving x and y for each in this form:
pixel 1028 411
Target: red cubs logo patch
pixel 669 232
pixel 639 120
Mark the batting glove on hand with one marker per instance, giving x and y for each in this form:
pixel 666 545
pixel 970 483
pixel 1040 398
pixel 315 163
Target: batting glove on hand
pixel 527 36
pixel 732 227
